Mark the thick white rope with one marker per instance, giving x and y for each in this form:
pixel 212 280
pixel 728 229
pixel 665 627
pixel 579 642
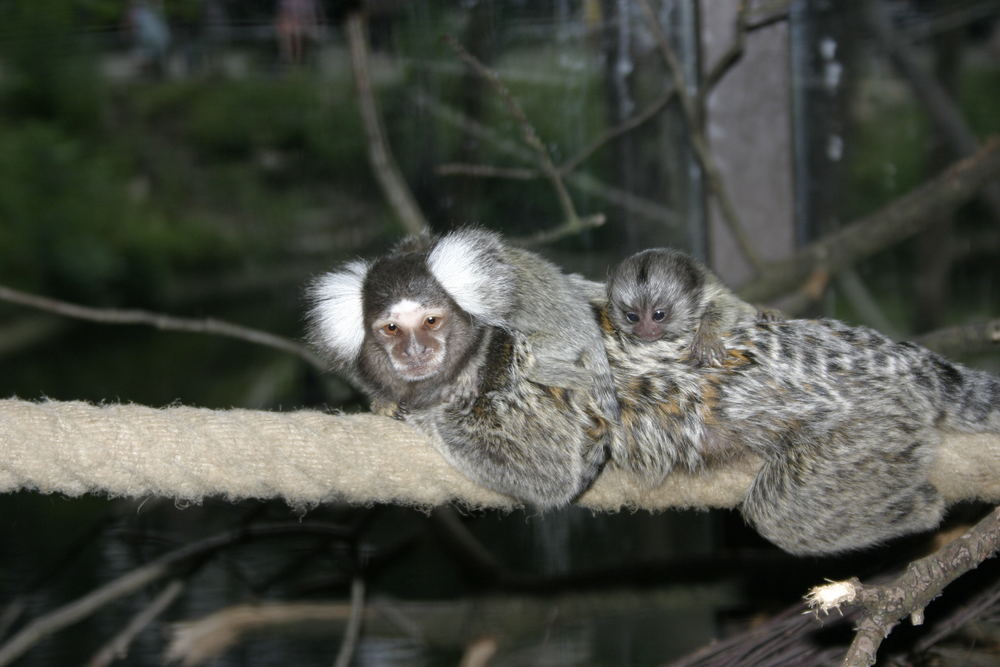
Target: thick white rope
pixel 309 457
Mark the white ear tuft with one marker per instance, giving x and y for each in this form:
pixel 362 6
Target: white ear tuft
pixel 470 266
pixel 337 315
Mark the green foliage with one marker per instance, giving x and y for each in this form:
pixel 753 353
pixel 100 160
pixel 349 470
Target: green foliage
pixel 979 98
pixel 70 226
pixel 48 73
pixel 888 156
pixel 312 123
pixel 891 144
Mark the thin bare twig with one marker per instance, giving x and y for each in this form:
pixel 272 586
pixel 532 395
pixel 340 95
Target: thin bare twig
pixel 161 321
pixel 353 630
pixel 567 167
pixel 725 62
pixel 766 13
pixel 729 58
pixel 573 222
pixel 77 610
pixel 561 231
pixel 698 143
pixel 487 171
pixel 626 125
pixel 379 153
pixel 528 133
pixel 581 181
pixel 118 646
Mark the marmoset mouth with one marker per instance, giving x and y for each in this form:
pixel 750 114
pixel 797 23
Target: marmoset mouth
pixel 418 371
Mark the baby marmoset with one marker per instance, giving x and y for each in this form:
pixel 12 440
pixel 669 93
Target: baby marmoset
pixel 468 336
pixel 845 420
pixel 662 293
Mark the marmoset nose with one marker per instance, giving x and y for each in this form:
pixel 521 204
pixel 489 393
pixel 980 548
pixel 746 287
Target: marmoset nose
pixel 648 331
pixel 414 348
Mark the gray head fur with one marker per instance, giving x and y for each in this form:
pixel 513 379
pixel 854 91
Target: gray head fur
pixel 658 279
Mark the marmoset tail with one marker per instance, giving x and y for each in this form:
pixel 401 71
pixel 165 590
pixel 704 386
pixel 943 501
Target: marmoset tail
pixel 489 348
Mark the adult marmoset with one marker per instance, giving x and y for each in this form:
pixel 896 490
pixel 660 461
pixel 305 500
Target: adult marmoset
pixel 489 348
pixel 846 421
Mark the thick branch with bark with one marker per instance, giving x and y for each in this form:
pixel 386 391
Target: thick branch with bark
pixel 933 97
pixel 972 338
pixel 898 220
pixel 886 604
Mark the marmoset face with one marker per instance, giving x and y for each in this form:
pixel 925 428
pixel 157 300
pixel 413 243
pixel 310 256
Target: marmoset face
pixel 412 323
pixel 414 337
pixel 654 295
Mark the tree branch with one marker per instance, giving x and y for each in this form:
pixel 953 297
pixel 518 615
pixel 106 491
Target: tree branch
pixel 965 339
pixel 129 583
pixel 118 646
pixel 885 605
pixel 629 124
pixel 379 153
pixel 698 143
pixel 353 629
pixel 583 182
pixel 729 57
pixel 934 98
pixel 161 321
pixel 866 236
pixel 572 221
pixel 196 642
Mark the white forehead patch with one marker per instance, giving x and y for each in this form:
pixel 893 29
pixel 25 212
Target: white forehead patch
pixel 337 315
pixel 470 267
pixel 407 313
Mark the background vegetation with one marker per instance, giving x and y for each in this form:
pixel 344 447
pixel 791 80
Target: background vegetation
pixel 217 182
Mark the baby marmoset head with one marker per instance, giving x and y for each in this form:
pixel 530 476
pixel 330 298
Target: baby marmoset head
pixel 656 294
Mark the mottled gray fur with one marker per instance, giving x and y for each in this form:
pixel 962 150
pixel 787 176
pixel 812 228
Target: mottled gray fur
pixel 846 420
pixel 688 302
pixel 525 399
